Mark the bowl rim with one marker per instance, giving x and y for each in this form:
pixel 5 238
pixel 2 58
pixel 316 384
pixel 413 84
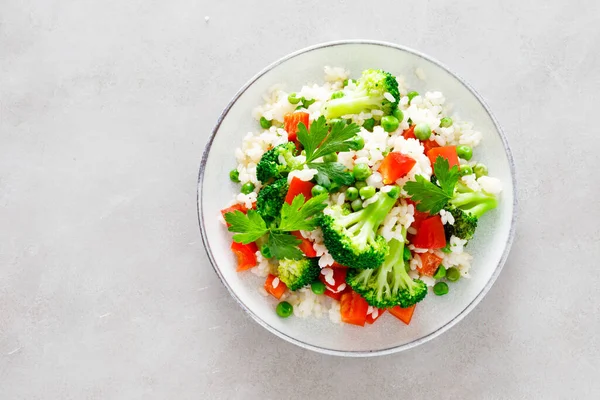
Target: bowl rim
pixel 361 353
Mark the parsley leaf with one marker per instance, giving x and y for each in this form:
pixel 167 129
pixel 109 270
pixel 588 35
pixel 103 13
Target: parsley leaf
pixel 447 177
pixel 284 245
pixel 320 141
pixel 249 227
pixel 430 197
pixel 297 216
pixel 331 172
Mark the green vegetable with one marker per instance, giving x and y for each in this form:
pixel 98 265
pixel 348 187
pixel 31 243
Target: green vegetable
pixel 321 141
pixel 334 188
pixel 269 166
pixel 346 81
pixel 422 131
pixel 389 123
pixel 351 193
pixel 359 142
pixel 297 216
pixel 234 175
pixel 265 251
pixel 412 95
pixel 284 309
pixel 361 171
pixel 270 199
pixel 360 184
pixel 247 188
pixel 464 152
pixel 369 124
pixel 352 239
pixel 332 174
pixel 389 285
pixel 307 102
pixel 265 123
pixel 407 256
pixel 446 122
pixel 337 95
pixel 317 190
pixel 357 205
pixel 465 169
pixel 298 273
pixel 330 158
pixel 293 99
pixel 399 115
pixel 480 170
pixel 466 205
pixel 318 287
pixel 440 288
pixel 440 273
pixel 367 192
pixel 368 95
pixel 453 274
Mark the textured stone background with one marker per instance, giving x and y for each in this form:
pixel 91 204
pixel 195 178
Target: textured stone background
pixel 105 288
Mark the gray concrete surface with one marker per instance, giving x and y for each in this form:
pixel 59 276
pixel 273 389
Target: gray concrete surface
pixel 105 288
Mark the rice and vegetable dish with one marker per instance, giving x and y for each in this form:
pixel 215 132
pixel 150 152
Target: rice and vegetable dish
pixel 356 197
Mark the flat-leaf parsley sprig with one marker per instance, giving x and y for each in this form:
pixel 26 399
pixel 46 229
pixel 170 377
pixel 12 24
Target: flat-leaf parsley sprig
pixel 430 197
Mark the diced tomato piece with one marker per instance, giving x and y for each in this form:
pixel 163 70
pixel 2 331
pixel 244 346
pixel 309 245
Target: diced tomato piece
pixel 419 218
pixel 448 152
pixel 430 234
pixel 409 133
pixel 336 290
pixel 275 291
pixel 306 246
pixel 395 166
pixel 291 121
pixel 371 319
pixel 430 263
pixel 235 207
pixel 298 186
pixel 246 255
pixel 353 308
pixel 403 314
pixel 429 144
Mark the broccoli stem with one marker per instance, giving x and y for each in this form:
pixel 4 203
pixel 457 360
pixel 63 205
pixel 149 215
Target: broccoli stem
pixel 351 105
pixel 474 203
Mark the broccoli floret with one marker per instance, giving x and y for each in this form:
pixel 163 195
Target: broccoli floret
pixel 369 95
pixel 269 166
pixel 298 273
pixel 389 285
pixel 467 206
pixel 270 199
pixel 352 238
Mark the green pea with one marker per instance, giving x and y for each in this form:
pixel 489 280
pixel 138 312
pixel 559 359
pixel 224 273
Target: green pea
pixel 412 95
pixel 247 188
pixel 330 157
pixel 265 123
pixel 293 99
pixel 234 175
pixel 357 143
pixel 480 170
pixel 367 192
pixel 369 124
pixel 360 184
pixel 465 169
pixel 398 114
pixel 422 131
pixel 352 193
pixel 357 205
pixel 440 288
pixel 345 83
pixel 452 274
pixel 361 171
pixel 446 122
pixel 284 309
pixel 317 190
pixel 317 287
pixel 440 273
pixel 390 123
pixel 464 152
pixel 265 251
pixel 447 249
pixel 406 255
pixel 337 95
